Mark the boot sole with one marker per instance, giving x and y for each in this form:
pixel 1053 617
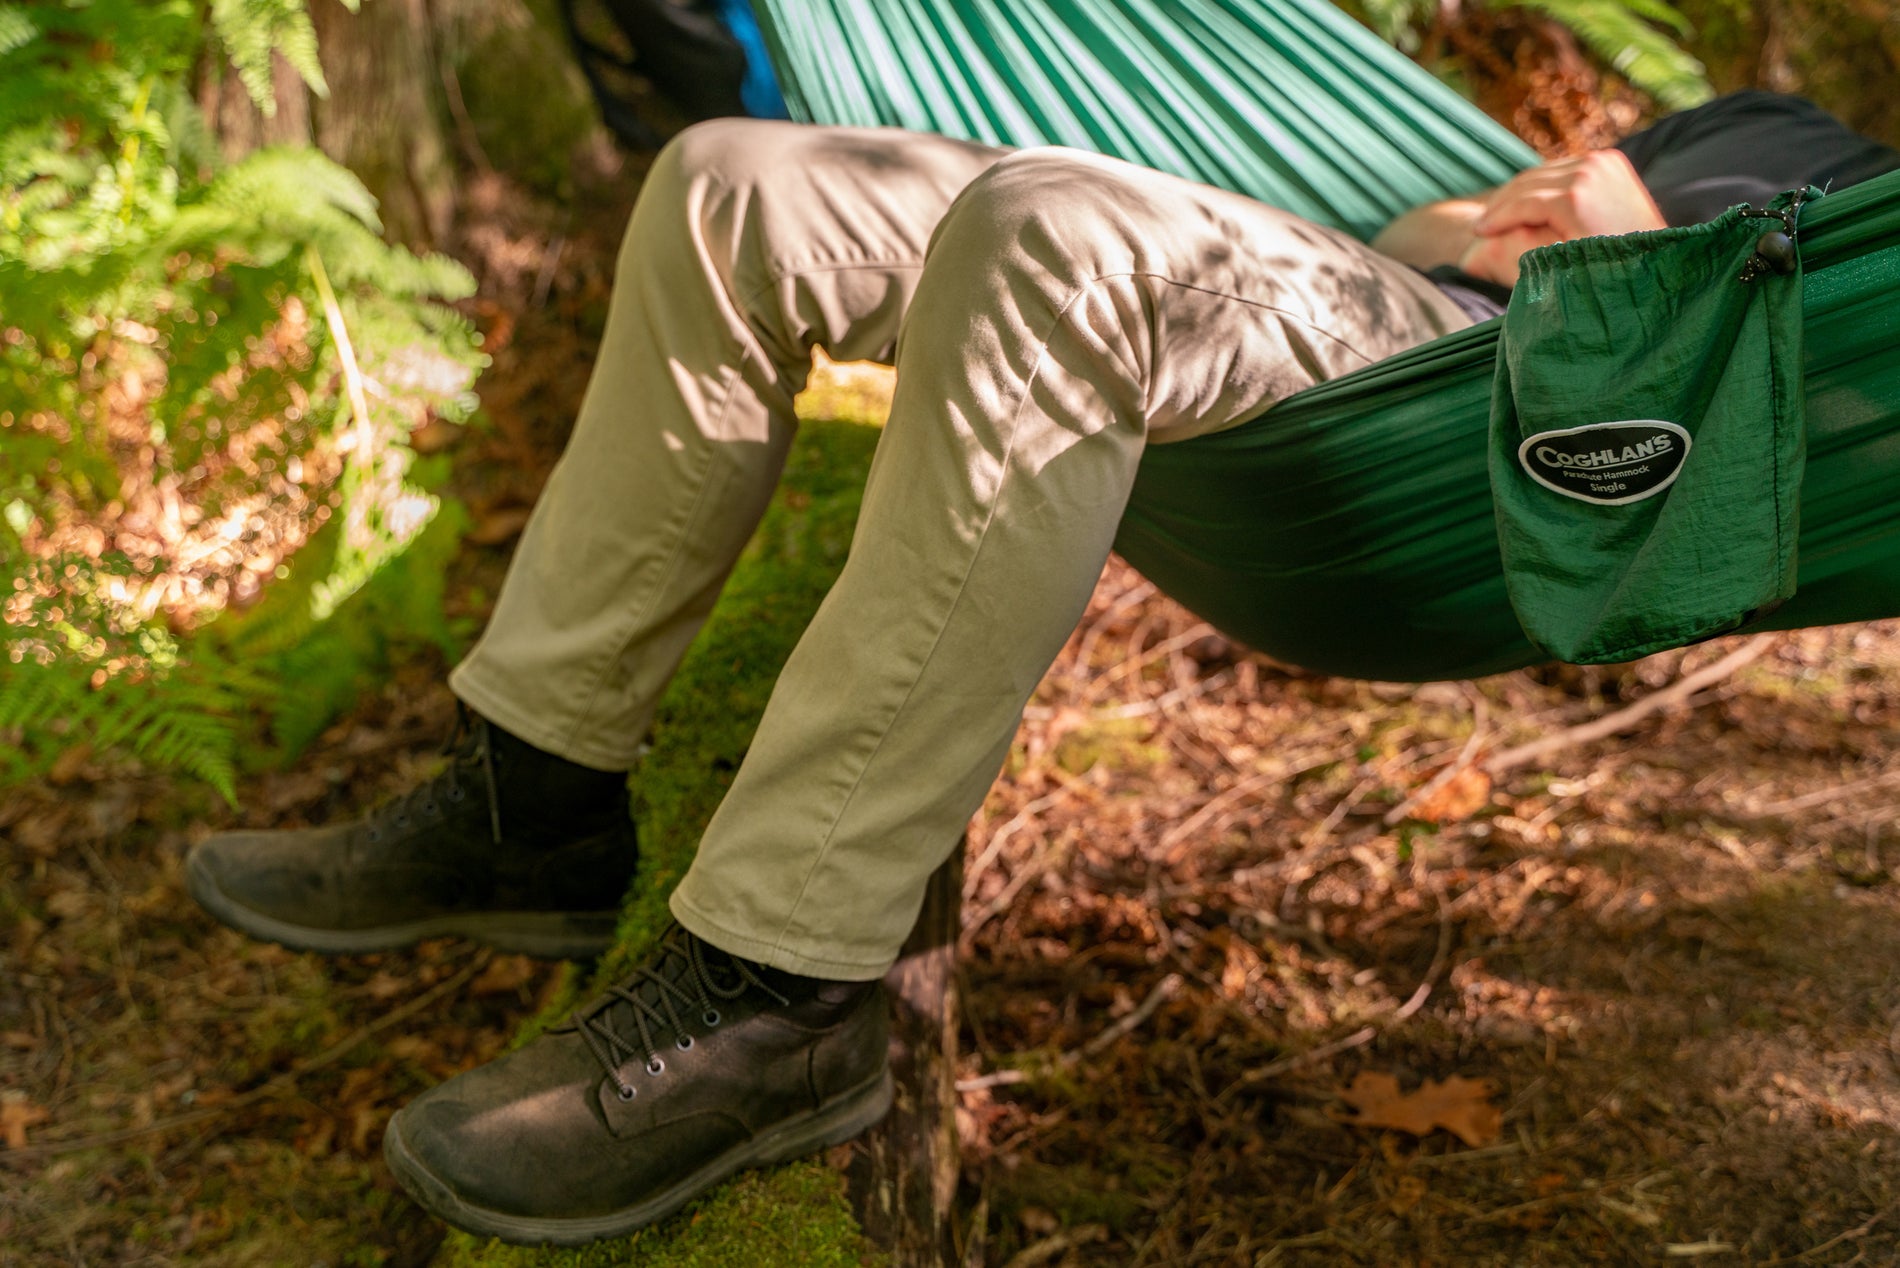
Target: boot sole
pixel 835 1122
pixel 550 935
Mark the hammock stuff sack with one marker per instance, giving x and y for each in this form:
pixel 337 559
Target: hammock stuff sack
pixel 1351 529
pixel 1647 437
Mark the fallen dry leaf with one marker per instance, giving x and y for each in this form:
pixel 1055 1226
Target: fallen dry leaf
pixel 16 1115
pixel 384 985
pixel 1462 796
pixel 69 765
pixel 504 974
pixel 41 832
pixel 1459 1105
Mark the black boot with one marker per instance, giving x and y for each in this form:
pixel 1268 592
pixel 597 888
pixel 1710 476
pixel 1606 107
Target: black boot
pixel 697 1066
pixel 509 845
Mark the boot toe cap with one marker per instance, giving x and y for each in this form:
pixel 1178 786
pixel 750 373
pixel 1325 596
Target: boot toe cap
pixel 251 870
pixel 513 1138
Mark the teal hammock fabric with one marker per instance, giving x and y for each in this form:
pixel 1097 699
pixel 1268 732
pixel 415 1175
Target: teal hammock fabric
pixel 1287 101
pixel 1351 528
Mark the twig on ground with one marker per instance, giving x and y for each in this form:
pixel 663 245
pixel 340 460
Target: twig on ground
pixel 550 260
pixel 995 844
pixel 1807 801
pixel 1324 828
pixel 1162 703
pixel 329 1056
pixel 1135 665
pixel 1167 847
pixel 1359 1037
pixel 1139 708
pixel 1625 718
pixel 1365 1034
pixel 1052 1247
pixel 1479 716
pixel 1465 1157
pixel 1166 989
pixel 1848 1235
pixel 1029 871
pixel 1085 647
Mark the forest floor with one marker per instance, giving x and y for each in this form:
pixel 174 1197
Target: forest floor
pixel 1651 979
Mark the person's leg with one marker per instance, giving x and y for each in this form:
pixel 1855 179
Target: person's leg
pixel 1074 309
pixel 1071 309
pixel 751 243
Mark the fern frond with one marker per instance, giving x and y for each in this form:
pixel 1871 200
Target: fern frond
pixel 290 182
pixel 1616 31
pixel 1662 14
pixel 251 30
pixel 1397 22
pixel 116 209
pixel 16 28
pixel 192 145
pixel 197 742
pixel 34 697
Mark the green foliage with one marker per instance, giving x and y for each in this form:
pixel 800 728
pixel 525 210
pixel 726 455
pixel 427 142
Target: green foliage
pixel 274 673
pixel 1627 35
pixel 1639 39
pixel 186 726
pixel 201 365
pixel 251 30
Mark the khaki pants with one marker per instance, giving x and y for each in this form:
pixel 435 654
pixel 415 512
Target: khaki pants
pixel 1051 313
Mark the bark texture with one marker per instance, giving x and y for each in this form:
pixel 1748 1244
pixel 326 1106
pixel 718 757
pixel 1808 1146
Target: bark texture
pixel 384 118
pixel 903 1178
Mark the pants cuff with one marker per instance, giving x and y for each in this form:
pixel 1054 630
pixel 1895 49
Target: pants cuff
pixel 806 961
pixel 526 722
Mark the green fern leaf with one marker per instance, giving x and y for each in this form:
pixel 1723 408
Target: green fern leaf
pixel 196 742
pixel 1662 14
pixel 32 697
pixel 290 183
pixel 251 30
pixel 17 28
pixel 1615 31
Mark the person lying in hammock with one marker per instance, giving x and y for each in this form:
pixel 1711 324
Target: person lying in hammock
pixel 1051 314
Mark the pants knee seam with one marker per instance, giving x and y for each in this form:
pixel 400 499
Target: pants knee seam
pixel 818 857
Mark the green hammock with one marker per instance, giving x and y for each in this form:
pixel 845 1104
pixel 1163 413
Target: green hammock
pixel 1351 529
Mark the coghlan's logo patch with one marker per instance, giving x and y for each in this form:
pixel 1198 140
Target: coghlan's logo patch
pixel 1607 463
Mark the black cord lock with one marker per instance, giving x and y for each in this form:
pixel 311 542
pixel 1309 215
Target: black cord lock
pixel 1775 251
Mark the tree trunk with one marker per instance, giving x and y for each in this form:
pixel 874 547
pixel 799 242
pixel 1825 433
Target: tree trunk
pixel 234 118
pixel 384 118
pixel 903 1178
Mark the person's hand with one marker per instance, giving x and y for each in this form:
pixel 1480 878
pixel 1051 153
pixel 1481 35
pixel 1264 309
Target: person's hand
pixel 1494 258
pixel 1596 194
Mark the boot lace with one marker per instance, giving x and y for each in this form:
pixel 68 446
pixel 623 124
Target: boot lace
pixel 676 975
pixel 470 772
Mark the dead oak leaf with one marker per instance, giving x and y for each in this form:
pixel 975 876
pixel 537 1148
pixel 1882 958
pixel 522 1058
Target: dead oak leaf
pixel 16 1115
pixel 504 975
pixel 1459 1105
pixel 1457 799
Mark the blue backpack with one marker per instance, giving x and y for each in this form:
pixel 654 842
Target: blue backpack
pixel 703 58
